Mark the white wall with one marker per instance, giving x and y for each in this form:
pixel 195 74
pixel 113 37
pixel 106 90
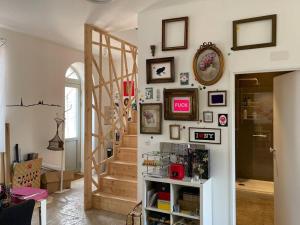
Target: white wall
pixel 2 99
pixel 35 71
pixel 212 21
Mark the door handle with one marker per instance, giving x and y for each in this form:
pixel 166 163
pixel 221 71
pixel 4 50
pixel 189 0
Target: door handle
pixel 272 150
pixel 260 135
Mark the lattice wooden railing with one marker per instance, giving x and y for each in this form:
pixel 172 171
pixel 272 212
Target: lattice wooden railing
pixel 109 62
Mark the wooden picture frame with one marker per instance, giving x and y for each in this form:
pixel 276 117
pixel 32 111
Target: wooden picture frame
pixel 217 98
pixel 181 104
pixel 205 135
pixel 165 35
pixel 150 118
pixel 236 27
pixel 160 70
pixel 208 64
pixel 174 128
pixel 208 116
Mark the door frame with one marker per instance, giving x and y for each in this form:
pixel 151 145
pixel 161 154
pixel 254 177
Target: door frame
pixel 232 150
pixel 77 84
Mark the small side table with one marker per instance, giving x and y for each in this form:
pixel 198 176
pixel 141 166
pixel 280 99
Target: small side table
pixel 39 195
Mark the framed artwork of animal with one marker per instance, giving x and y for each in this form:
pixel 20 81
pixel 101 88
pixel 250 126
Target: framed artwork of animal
pixel 181 104
pixel 151 118
pixel 160 70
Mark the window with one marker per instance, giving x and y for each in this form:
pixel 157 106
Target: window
pixel 72 104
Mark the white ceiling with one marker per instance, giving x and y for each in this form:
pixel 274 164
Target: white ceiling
pixel 62 21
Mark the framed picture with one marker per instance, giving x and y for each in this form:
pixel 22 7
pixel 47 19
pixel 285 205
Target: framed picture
pixel 184 78
pixel 205 135
pixel 175 34
pixel 208 117
pixel 149 93
pixel 223 120
pixel 160 70
pixel 217 98
pixel 208 64
pixel 151 118
pixel 181 104
pixel 257 32
pixel 126 88
pixel 175 132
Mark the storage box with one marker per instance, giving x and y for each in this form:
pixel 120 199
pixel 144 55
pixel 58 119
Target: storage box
pixel 51 180
pixel 191 206
pixel 163 205
pixel 164 196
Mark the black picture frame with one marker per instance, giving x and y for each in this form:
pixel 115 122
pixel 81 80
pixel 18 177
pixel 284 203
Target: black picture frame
pixel 170 77
pixel 210 135
pixel 217 98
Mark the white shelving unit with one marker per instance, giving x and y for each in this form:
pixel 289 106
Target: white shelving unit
pixel 205 190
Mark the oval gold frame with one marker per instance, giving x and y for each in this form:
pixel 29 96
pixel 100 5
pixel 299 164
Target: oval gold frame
pixel 202 48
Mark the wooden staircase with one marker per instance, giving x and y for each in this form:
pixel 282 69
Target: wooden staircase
pixel 118 188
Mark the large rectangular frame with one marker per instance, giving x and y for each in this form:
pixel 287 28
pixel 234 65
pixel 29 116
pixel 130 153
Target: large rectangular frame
pixel 235 23
pixel 181 92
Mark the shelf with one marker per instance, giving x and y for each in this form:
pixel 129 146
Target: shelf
pixel 186 215
pixel 178 182
pixel 157 210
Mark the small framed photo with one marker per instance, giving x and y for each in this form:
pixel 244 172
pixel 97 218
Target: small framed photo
pixel 205 135
pixel 223 120
pixel 175 33
pixel 257 32
pixel 217 98
pixel 184 78
pixel 181 104
pixel 175 132
pixel 149 93
pixel 127 88
pixel 208 117
pixel 151 118
pixel 160 70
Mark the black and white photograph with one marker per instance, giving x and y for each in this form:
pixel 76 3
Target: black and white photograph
pixel 184 78
pixel 148 93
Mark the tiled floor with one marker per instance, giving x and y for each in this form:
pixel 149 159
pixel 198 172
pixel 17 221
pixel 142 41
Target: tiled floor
pixel 67 209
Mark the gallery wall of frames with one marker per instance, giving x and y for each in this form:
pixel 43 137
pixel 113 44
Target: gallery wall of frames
pixel 187 62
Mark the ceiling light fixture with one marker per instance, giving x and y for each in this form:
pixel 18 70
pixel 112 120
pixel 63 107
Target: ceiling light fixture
pixel 100 1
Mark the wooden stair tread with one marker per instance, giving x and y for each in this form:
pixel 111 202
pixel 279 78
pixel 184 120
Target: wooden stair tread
pixel 130 135
pixel 116 197
pixel 128 148
pixel 123 163
pixel 120 178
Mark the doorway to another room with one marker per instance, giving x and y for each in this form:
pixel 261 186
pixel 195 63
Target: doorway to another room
pixel 72 120
pixel 257 137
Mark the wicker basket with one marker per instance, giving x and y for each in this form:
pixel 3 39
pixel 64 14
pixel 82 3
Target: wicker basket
pixel 135 216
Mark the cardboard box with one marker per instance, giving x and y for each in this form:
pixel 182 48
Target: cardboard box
pixel 51 180
pixel 163 205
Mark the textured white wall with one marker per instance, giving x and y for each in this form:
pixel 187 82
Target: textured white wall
pixel 35 71
pixel 212 21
